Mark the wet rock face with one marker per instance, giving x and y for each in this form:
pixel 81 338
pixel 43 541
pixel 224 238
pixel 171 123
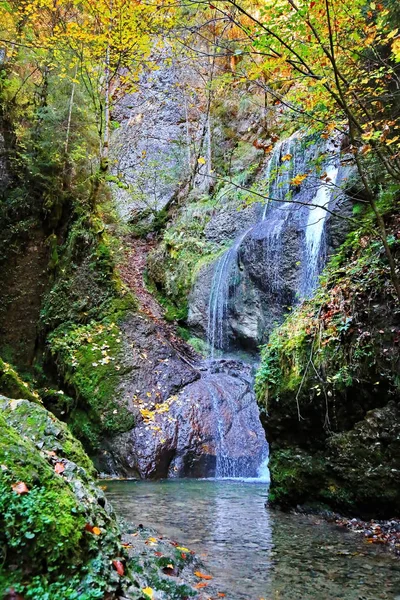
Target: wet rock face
pixel 266 279
pixel 195 421
pixel 263 284
pixel 277 250
pixel 230 220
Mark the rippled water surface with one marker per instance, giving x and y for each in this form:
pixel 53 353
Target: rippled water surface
pixel 253 552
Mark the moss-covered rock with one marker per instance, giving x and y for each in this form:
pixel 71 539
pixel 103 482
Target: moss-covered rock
pixel 332 362
pixel 13 386
pixel 90 359
pixel 45 431
pixel 49 507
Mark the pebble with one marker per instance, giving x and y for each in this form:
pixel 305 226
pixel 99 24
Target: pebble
pixel 386 533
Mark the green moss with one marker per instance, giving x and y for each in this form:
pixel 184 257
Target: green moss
pixel 43 429
pixel 46 551
pixel 13 386
pixel 90 360
pixel 43 528
pixel 173 265
pixel 295 475
pixel 86 284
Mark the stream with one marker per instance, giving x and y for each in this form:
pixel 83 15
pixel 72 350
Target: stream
pixel 255 553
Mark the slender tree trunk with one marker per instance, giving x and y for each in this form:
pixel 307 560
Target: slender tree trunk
pixel 70 109
pixel 188 140
pixel 209 150
pixel 106 136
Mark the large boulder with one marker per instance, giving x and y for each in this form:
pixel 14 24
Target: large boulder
pixel 207 427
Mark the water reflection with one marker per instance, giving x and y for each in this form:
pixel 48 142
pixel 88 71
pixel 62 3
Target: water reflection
pixel 254 553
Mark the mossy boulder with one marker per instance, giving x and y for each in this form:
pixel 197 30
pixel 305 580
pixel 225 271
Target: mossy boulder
pixel 58 534
pixel 90 360
pixel 45 431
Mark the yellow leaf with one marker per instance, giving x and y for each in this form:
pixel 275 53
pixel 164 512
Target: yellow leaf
pixel 286 157
pixel 298 179
pixel 96 531
pixel 148 591
pixel 202 575
pixel 182 549
pixel 393 33
pixel 151 541
pixel 201 160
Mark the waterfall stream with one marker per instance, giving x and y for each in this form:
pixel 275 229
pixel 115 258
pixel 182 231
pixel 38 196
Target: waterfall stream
pixel 287 206
pixel 219 296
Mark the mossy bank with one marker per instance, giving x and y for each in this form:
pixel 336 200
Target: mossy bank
pixel 328 385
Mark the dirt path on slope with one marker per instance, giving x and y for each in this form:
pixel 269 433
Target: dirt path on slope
pixel 132 271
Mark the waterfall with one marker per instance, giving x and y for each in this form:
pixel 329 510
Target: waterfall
pixel 217 321
pixel 290 211
pixel 240 447
pixel 286 204
pixel 314 247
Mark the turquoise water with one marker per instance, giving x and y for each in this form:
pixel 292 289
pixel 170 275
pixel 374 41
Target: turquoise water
pixel 253 552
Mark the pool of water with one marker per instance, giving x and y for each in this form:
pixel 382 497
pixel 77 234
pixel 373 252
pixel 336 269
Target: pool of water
pixel 253 552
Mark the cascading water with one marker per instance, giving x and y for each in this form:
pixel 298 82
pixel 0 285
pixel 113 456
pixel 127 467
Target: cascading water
pixel 302 208
pixel 315 255
pixel 288 205
pixel 218 303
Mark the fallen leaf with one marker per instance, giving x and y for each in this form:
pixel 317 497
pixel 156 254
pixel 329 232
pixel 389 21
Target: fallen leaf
pixel 92 529
pixel 198 586
pixel 59 468
pixel 158 553
pixel 201 160
pixel 20 488
pixel 221 595
pixel 202 575
pixel 182 549
pixel 119 567
pixel 151 541
pixel 183 555
pixel 148 591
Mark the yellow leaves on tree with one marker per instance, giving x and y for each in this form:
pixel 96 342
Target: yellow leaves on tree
pixel 396 49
